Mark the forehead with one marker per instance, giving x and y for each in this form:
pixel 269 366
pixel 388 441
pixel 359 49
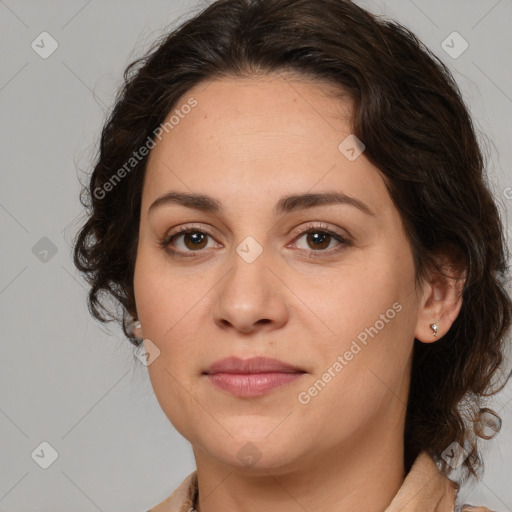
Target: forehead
pixel 266 107
pixel 254 138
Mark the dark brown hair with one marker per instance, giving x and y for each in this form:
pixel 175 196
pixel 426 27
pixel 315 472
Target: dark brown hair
pixel 408 112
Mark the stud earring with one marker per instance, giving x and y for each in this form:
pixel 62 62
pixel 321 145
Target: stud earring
pixel 434 328
pixel 134 327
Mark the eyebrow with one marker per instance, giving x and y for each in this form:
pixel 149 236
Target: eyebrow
pixel 286 204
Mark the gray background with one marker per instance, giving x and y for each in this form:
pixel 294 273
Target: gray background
pixel 69 381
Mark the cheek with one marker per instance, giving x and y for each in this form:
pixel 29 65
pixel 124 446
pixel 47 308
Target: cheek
pixel 175 395
pixel 353 298
pixel 164 298
pixel 363 371
pixel 370 312
pixel 161 303
pixel 167 307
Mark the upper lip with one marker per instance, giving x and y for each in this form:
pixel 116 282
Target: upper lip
pixel 251 365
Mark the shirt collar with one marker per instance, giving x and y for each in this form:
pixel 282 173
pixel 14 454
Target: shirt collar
pixel 425 489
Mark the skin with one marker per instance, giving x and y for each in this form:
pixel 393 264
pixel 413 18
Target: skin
pixel 247 143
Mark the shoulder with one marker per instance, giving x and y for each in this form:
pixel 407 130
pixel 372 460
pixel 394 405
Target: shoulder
pixel 182 498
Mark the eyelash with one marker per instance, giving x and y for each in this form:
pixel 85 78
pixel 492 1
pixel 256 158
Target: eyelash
pixel 165 243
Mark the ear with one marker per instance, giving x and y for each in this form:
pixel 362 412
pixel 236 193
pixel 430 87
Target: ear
pixel 441 301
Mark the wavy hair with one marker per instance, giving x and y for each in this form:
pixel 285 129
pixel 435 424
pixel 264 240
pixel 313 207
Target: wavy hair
pixel 410 115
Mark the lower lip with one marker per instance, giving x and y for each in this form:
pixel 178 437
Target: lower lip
pixel 253 384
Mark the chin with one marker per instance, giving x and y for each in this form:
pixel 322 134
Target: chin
pixel 255 452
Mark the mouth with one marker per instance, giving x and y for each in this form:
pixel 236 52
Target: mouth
pixel 252 377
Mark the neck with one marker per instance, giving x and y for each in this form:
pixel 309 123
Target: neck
pixel 364 472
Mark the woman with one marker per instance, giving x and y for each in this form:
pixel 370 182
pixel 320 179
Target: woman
pixel 290 206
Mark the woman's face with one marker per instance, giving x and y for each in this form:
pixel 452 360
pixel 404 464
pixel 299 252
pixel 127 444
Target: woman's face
pixel 324 286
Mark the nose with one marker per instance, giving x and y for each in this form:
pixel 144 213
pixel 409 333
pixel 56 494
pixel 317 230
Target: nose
pixel 251 297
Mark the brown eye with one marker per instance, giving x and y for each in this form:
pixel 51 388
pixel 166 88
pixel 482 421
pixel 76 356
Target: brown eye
pixel 318 240
pixel 194 240
pixel 186 242
pixel 190 242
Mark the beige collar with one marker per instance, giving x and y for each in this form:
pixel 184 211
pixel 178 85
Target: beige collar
pixel 424 489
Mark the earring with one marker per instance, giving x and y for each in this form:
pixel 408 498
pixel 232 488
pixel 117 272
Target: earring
pixel 133 327
pixel 434 328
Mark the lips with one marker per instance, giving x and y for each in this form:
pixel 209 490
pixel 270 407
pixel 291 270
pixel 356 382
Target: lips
pixel 251 377
pixel 250 366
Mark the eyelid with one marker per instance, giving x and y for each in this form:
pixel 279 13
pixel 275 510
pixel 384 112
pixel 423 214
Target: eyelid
pixel 191 226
